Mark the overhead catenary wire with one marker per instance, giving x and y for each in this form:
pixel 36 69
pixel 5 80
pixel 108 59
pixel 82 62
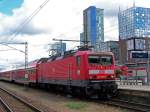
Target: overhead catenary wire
pixel 7 50
pixel 12 47
pixel 21 26
pixel 28 19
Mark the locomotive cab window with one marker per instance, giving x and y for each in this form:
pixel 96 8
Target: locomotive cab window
pixel 78 60
pixel 101 60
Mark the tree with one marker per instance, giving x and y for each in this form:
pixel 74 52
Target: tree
pixel 118 73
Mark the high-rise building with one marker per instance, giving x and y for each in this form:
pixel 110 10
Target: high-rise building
pixel 82 39
pixel 134 22
pixel 58 47
pixel 93 19
pixel 134 32
pixel 111 46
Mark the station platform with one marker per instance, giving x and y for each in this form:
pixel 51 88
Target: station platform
pixel 144 88
pixel 133 85
pixel 134 93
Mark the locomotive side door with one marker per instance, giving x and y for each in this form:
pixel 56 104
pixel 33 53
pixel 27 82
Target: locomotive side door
pixel 69 73
pixel 78 65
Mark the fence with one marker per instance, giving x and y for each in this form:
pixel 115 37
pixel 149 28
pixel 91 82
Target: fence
pixel 130 82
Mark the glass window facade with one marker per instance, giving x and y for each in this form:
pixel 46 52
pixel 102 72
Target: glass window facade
pixel 82 39
pixel 94 25
pixel 134 22
pixel 130 44
pixel 59 47
pixel 139 44
pixel 110 46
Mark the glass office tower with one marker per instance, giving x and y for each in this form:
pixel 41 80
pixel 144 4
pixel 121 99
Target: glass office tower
pixel 134 23
pixel 93 26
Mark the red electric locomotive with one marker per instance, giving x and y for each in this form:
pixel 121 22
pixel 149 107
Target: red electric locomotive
pixel 77 72
pixel 80 72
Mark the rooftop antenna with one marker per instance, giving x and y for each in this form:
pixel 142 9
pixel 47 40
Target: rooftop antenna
pixel 119 9
pixel 133 3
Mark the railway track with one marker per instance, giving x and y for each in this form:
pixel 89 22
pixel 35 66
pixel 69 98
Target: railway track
pixel 4 107
pixel 139 107
pixel 12 103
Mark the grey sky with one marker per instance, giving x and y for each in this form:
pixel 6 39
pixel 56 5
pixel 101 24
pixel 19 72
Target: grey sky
pixel 58 19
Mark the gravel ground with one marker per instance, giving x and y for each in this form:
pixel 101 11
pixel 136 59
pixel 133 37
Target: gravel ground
pixel 51 102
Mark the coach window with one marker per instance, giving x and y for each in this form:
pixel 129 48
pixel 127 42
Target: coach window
pixel 78 60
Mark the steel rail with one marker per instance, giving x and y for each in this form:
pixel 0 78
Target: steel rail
pixel 7 108
pixel 22 101
pixel 129 105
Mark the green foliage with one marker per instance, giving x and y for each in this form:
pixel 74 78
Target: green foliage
pixel 118 73
pixel 76 105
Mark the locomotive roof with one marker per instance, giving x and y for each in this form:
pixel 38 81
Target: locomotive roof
pixel 75 53
pixel 92 52
pixel 35 62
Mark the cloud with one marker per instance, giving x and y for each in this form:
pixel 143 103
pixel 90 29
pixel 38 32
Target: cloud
pixel 61 19
pixel 16 24
pixel 57 17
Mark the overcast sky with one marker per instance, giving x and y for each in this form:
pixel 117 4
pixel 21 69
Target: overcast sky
pixel 62 19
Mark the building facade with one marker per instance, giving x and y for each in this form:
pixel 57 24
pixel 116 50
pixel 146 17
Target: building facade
pixel 58 48
pixel 134 22
pixel 82 39
pixel 93 20
pixel 134 32
pixel 111 46
pixel 127 46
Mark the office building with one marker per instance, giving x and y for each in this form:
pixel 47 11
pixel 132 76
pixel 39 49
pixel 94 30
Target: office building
pixel 111 46
pixel 134 22
pixel 58 47
pixel 93 20
pixel 134 32
pixel 82 39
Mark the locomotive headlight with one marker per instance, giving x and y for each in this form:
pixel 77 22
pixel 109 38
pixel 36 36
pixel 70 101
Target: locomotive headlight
pixel 109 72
pixel 112 76
pixel 91 77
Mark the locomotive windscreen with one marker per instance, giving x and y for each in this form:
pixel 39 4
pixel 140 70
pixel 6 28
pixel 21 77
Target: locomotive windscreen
pixel 101 60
